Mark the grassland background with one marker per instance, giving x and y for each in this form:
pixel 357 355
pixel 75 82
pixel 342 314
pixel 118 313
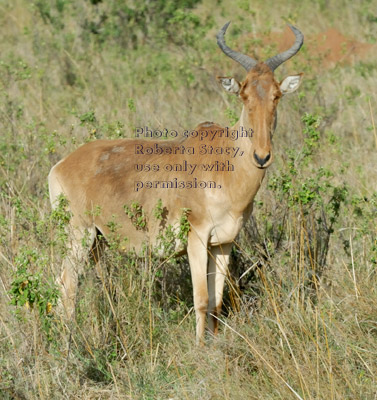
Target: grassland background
pixel 301 323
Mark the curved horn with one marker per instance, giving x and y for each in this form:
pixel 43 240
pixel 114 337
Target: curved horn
pixel 277 60
pixel 246 61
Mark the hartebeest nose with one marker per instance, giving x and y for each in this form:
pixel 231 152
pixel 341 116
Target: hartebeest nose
pixel 262 161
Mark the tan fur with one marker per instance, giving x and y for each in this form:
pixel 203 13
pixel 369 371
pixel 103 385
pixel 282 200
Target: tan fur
pixel 102 173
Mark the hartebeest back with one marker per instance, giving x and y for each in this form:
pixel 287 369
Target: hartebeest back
pixel 217 187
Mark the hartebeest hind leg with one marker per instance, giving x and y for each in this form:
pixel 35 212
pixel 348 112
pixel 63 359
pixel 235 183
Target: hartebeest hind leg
pixel 217 272
pixel 198 258
pixel 80 241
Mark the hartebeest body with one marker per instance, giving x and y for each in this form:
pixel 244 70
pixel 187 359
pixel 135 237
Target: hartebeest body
pixel 101 175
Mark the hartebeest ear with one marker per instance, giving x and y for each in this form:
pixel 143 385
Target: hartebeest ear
pixel 290 83
pixel 231 85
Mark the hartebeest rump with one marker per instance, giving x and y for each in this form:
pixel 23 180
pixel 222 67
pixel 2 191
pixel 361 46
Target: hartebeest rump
pixel 102 175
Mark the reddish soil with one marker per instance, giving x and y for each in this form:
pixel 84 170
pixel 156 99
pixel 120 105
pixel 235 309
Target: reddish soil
pixel 328 48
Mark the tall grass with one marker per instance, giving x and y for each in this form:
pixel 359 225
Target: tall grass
pixel 299 319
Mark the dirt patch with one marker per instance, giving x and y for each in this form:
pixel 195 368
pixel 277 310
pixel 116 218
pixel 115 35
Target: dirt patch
pixel 337 48
pixel 327 48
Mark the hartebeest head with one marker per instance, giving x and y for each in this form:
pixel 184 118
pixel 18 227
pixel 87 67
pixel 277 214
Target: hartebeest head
pixel 260 93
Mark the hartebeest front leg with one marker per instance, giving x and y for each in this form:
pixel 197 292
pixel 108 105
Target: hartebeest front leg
pixel 198 258
pixel 217 272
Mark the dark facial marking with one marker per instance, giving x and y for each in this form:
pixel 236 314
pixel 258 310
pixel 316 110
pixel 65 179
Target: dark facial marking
pixel 261 91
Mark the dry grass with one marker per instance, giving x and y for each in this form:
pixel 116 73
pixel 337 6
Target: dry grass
pixel 290 329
